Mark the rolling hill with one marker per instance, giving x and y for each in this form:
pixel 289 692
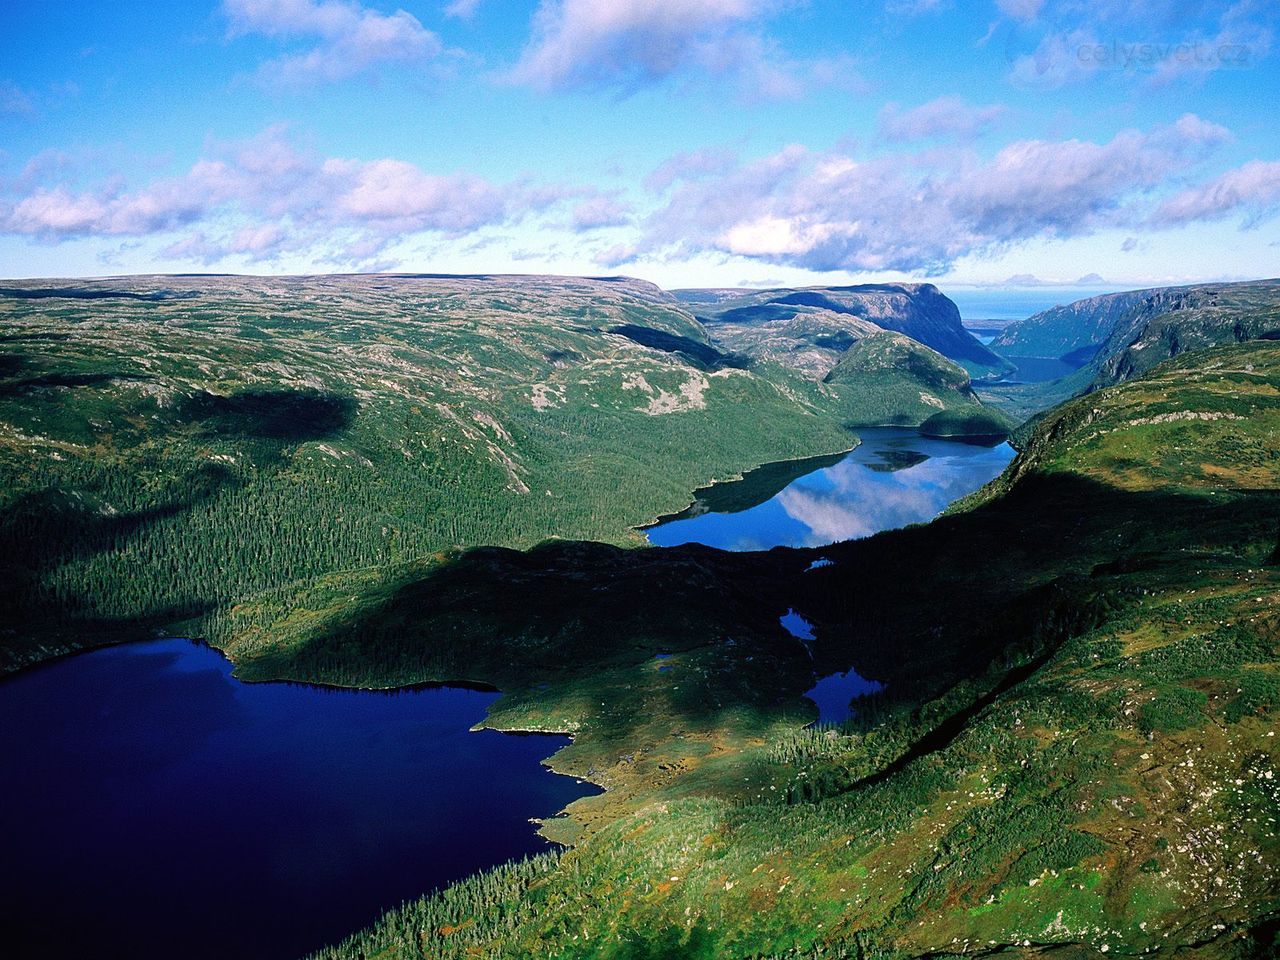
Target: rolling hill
pixel 898 380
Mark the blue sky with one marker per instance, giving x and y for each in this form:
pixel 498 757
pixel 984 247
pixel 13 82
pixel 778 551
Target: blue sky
pixel 690 142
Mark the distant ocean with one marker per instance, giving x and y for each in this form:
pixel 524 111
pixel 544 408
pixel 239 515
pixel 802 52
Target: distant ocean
pixel 1015 303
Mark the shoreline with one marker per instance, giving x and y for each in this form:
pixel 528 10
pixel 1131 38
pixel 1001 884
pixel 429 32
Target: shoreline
pixel 738 478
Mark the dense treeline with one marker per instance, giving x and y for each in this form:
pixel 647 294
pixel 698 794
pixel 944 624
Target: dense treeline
pixel 89 539
pixel 458 920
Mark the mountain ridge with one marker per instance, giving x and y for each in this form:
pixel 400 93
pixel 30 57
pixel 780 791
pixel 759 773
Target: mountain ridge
pixel 1144 328
pixel 917 310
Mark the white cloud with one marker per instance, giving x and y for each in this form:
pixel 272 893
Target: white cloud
pixel 770 236
pixel 1072 41
pixel 13 99
pixel 943 117
pixel 348 38
pixel 913 8
pixel 921 212
pixel 689 166
pixel 59 212
pixel 1242 41
pixel 615 255
pixel 462 9
pixel 1024 10
pixel 1059 59
pixel 1253 188
pixel 603 211
pixel 255 242
pixel 393 194
pixel 262 196
pixel 625 43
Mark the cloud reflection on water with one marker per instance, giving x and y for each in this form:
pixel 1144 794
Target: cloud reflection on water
pixel 861 501
pixel 854 498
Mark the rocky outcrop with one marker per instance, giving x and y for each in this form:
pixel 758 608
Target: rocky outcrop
pixel 1174 320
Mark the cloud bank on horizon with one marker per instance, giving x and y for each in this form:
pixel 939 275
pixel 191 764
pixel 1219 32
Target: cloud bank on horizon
pixel 687 141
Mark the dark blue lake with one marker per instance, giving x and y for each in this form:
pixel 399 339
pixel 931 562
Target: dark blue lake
pixel 153 806
pixel 893 478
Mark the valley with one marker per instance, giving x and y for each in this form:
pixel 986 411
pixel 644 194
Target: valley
pixel 171 447
pixel 639 480
pixel 1058 694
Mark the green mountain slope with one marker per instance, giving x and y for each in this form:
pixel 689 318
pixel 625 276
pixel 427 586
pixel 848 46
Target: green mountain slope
pixel 173 446
pixel 1075 748
pixel 1140 329
pixel 1072 328
pixel 170 446
pixel 887 378
pixel 968 422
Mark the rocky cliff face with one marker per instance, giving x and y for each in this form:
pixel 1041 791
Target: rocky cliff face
pixel 1174 320
pixel 1163 321
pixel 917 310
pixel 1064 330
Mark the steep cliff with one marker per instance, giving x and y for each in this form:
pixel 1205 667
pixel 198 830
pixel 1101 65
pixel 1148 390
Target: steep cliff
pixel 918 310
pixel 1069 329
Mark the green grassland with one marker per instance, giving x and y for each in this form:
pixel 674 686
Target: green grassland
pixel 1075 748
